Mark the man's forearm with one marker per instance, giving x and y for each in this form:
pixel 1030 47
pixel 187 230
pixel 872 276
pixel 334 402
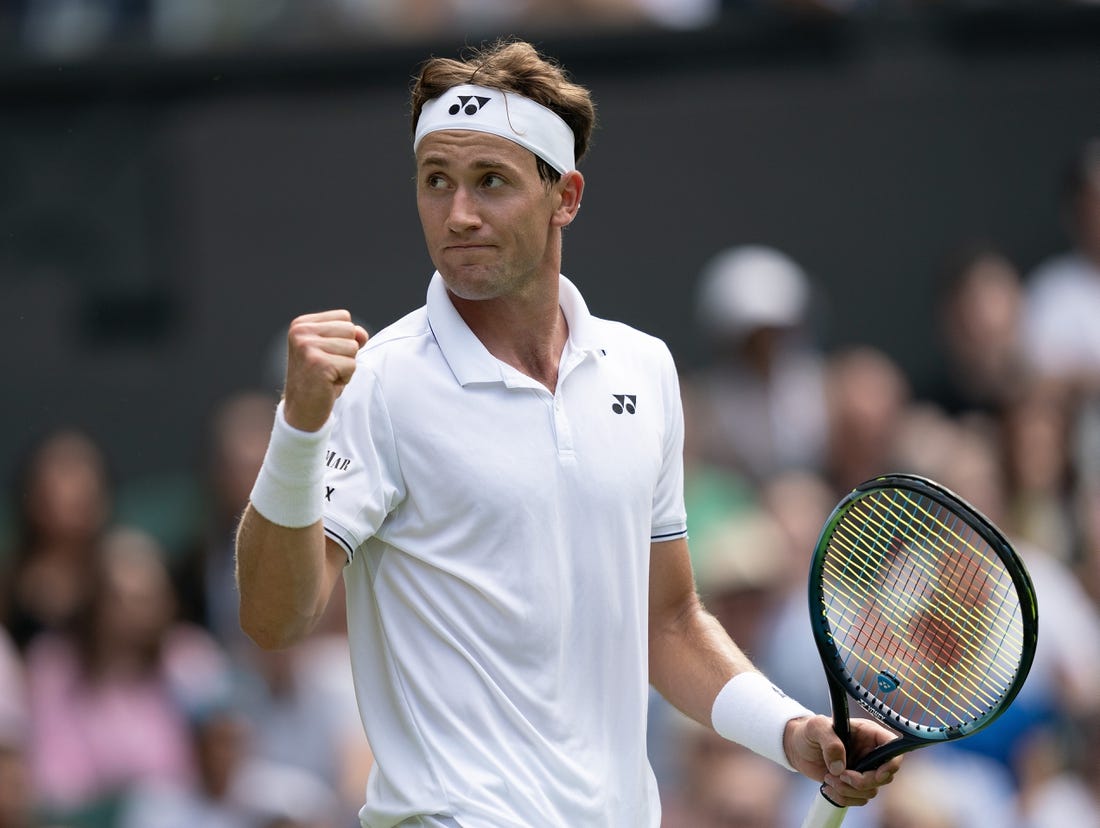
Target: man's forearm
pixel 284 578
pixel 691 659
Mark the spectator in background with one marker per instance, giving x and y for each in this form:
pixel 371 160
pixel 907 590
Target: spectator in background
pixel 232 789
pixel 108 694
pixel 323 667
pixel 949 788
pixel 720 784
pixel 1071 795
pixel 1063 294
pixel 15 793
pixel 63 498
pixel 868 396
pixel 739 789
pixel 1064 682
pixel 1086 560
pixel 799 503
pixel 980 332
pixel 1040 475
pixel 301 708
pixel 1063 305
pixel 742 573
pixel 67 28
pixel 205 578
pixel 760 400
pixel 713 492
pixel 219 734
pixel 924 439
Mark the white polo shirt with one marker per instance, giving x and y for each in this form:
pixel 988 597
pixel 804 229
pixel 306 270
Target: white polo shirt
pixel 499 537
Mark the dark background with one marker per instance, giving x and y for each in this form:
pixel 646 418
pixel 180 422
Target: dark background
pixel 162 219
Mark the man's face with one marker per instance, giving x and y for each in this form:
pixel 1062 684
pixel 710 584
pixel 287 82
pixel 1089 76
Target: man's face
pixel 486 214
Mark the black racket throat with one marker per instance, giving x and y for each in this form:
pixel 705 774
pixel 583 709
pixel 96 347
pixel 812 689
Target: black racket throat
pixel 842 724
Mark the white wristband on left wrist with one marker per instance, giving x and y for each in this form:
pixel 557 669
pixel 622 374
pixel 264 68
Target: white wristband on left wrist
pixel 754 712
pixel 289 488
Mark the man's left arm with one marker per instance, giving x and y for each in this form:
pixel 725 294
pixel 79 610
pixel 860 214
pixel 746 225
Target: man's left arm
pixel 692 661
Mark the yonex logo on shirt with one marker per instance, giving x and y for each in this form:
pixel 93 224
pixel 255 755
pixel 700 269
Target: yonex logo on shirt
pixel 625 402
pixel 466 104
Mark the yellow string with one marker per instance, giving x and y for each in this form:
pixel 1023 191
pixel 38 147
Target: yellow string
pixel 990 637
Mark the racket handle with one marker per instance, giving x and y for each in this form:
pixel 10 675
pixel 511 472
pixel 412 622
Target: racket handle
pixel 824 814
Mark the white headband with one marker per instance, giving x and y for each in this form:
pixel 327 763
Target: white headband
pixel 506 114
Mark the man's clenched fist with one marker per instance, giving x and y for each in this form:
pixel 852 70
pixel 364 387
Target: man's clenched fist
pixel 321 349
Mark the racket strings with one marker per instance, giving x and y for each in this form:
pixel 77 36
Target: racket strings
pixel 895 601
pixel 976 617
pixel 928 696
pixel 894 659
pixel 978 614
pixel 895 635
pixel 945 626
pixel 887 654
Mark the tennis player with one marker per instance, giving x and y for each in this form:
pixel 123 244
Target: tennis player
pixel 498 479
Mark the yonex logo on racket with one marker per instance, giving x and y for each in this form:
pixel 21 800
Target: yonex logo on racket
pixel 887 683
pixel 625 402
pixel 468 104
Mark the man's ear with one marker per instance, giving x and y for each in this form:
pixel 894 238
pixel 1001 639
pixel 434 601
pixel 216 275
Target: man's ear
pixel 570 190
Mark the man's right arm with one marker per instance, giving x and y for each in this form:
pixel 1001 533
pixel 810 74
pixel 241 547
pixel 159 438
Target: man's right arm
pixel 285 576
pixel 286 568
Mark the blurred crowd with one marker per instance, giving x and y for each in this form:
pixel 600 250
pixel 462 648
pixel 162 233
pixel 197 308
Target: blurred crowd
pixel 130 698
pixel 779 428
pixel 78 28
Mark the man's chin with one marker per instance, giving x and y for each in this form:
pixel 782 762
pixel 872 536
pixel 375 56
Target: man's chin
pixel 471 284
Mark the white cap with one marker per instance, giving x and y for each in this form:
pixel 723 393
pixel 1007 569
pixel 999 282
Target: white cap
pixel 749 287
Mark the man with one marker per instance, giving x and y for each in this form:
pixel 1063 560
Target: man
pixel 1063 293
pixel 500 485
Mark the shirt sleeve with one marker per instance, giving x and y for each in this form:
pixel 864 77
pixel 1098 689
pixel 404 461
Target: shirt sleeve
pixel 669 513
pixel 363 481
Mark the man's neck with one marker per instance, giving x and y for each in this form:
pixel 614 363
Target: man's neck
pixel 529 333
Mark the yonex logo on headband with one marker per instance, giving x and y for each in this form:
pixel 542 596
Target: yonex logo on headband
pixel 464 105
pixel 505 114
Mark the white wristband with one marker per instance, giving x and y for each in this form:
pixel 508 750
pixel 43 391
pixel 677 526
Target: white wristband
pixel 754 712
pixel 289 488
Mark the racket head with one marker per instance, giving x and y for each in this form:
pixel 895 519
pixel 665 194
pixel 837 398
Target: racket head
pixel 922 613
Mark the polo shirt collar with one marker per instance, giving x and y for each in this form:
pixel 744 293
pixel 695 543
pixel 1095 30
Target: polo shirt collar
pixel 470 361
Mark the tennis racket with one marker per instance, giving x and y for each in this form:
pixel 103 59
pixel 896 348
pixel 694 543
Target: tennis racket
pixel 922 612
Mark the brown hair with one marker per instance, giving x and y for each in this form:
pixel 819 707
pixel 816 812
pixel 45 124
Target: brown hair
pixel 514 66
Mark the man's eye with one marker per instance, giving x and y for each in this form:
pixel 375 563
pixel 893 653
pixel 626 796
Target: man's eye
pixel 436 182
pixel 493 180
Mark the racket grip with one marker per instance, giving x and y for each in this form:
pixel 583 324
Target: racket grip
pixel 824 814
